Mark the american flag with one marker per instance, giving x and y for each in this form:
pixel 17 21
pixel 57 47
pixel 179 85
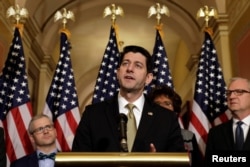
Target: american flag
pixel 106 83
pixel 161 70
pixel 209 105
pixel 62 101
pixel 15 106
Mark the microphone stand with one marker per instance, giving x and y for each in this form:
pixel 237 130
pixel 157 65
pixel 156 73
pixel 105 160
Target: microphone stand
pixel 123 132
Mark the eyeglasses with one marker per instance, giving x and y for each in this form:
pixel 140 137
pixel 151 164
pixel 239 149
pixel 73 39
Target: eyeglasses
pixel 236 92
pixel 41 129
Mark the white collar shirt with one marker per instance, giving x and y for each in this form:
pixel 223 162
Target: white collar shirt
pixel 139 103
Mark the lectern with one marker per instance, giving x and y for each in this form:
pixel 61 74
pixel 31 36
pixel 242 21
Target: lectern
pixel 78 159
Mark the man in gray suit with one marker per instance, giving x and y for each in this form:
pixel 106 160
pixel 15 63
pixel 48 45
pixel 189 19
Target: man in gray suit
pixel 157 128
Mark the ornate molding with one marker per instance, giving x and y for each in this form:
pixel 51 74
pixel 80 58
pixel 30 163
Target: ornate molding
pixel 235 10
pixel 192 61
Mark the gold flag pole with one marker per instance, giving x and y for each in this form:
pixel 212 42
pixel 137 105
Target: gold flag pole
pixel 158 10
pixel 114 10
pixel 64 16
pixel 18 16
pixel 207 13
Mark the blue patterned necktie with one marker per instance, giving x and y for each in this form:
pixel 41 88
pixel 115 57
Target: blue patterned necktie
pixel 43 156
pixel 239 136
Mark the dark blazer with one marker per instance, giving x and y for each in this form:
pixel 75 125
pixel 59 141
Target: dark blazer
pixel 2 148
pixel 220 138
pixel 30 160
pixel 98 129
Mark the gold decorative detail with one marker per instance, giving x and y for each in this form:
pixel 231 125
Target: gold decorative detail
pixel 64 16
pixel 207 12
pixel 158 10
pixel 114 11
pixel 17 14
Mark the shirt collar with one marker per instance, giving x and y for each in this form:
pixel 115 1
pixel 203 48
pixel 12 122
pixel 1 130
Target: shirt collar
pixel 122 102
pixel 246 120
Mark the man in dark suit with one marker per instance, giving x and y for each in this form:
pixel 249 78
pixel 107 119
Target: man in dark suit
pixel 222 138
pixel 43 137
pixel 2 148
pixel 157 128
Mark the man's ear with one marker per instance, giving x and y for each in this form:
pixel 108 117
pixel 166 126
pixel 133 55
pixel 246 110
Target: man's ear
pixel 117 74
pixel 32 140
pixel 149 78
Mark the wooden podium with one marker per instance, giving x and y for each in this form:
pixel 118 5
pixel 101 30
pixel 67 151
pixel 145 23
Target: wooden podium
pixel 79 159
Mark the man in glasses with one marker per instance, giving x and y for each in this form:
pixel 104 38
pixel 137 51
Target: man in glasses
pixel 233 135
pixel 43 137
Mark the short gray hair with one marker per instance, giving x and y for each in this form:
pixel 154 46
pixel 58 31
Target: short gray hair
pixel 30 128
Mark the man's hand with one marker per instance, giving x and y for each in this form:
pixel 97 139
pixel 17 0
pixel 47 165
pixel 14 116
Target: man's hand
pixel 152 147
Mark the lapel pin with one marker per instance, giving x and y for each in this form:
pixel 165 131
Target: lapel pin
pixel 150 113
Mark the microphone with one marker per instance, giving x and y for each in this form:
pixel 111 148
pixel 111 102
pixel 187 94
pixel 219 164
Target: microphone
pixel 123 132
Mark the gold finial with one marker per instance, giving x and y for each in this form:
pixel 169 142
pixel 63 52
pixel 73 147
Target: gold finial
pixel 17 14
pixel 207 13
pixel 64 16
pixel 158 10
pixel 114 11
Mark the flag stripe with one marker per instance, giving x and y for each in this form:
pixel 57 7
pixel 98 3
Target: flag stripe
pixel 60 136
pixel 70 116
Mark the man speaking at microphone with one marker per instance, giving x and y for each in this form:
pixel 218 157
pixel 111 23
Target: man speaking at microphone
pixel 150 128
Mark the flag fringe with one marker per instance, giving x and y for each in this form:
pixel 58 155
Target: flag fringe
pixel 159 27
pixel 20 28
pixel 209 31
pixel 65 31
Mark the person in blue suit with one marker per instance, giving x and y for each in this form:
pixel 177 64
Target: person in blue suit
pixel 43 136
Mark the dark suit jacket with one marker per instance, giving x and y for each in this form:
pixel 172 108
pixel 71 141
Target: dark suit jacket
pixel 98 129
pixel 221 139
pixel 2 148
pixel 30 160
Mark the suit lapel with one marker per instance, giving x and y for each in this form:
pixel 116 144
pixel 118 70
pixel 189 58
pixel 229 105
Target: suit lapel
pixel 229 132
pixel 33 160
pixel 112 113
pixel 246 145
pixel 146 120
